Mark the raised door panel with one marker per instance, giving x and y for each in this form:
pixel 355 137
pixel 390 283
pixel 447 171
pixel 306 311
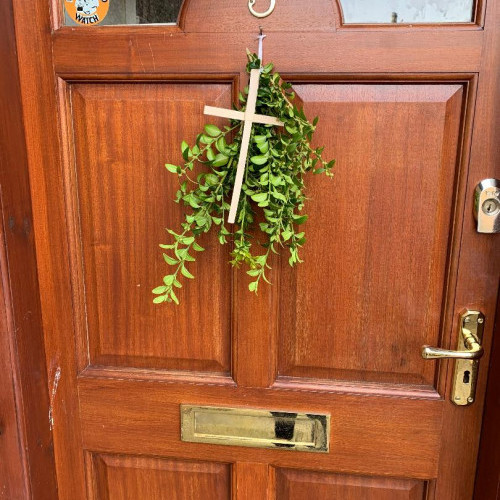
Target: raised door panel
pixel 302 485
pixel 120 202
pixel 232 17
pixel 368 434
pixel 126 478
pixel 378 237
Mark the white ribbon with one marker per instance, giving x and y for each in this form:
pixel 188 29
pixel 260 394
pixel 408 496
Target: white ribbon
pixel 261 49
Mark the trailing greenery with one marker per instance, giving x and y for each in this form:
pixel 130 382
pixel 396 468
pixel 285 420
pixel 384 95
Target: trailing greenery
pixel 277 160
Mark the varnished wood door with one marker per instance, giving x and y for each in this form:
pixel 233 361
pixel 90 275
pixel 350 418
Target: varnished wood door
pixel 392 255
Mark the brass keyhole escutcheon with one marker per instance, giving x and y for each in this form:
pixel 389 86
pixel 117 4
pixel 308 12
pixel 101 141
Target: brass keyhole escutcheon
pixel 469 351
pixel 466 370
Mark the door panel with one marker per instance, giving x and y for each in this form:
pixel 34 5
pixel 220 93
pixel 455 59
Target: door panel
pixel 121 211
pixel 298 485
pixel 341 334
pixel 380 435
pixel 122 478
pixel 378 235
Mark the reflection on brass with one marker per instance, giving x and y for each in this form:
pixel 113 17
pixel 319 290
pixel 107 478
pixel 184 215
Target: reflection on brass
pixel 466 370
pixel 255 428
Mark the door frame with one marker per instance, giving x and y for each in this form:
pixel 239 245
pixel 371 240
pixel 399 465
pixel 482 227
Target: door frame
pixel 32 459
pixel 26 440
pixel 488 462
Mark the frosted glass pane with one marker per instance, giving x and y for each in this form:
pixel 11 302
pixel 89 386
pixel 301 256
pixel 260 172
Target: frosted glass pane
pixel 407 11
pixel 91 12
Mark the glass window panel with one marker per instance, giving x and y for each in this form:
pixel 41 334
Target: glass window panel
pixel 108 12
pixel 407 11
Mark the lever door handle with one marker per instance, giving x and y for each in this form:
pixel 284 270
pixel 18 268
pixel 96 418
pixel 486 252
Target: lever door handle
pixel 467 355
pixel 474 352
pixel 470 323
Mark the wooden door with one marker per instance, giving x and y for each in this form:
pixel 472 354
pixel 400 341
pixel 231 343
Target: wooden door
pixel 391 260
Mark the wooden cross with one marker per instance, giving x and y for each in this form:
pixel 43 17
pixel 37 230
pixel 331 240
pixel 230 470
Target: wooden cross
pixel 248 117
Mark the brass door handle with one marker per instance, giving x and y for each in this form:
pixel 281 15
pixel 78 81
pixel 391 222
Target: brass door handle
pixel 467 355
pixel 470 323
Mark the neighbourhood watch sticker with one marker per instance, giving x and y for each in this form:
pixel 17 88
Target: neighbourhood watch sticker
pixel 87 11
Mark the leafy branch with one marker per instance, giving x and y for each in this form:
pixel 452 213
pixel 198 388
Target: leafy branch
pixel 274 182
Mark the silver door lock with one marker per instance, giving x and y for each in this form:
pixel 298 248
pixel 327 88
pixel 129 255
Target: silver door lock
pixel 487 206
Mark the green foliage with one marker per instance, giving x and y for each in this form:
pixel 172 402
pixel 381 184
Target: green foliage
pixel 274 181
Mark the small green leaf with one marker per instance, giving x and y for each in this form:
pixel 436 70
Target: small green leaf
pixel 253 286
pixel 221 144
pixel 278 196
pixel 192 202
pixel 189 258
pixel 210 154
pixel 185 150
pixel 264 179
pixel 220 160
pixel 287 234
pixel 169 260
pixel 159 289
pixel 186 273
pixel 172 168
pixel 299 219
pixel 200 220
pixel 275 180
pixel 187 240
pixel 259 197
pixel 261 260
pixel 159 299
pixel 263 147
pixel 197 247
pixel 174 297
pixel 205 139
pixel 259 160
pixel 212 130
pixel 181 253
pixel 169 279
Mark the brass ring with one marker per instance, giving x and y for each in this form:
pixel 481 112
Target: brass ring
pixel 251 3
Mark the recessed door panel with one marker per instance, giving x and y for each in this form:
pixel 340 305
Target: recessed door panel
pixel 377 236
pixel 123 136
pixel 117 477
pixel 298 485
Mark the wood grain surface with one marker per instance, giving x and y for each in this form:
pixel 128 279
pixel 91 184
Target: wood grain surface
pixel 124 201
pixel 27 464
pixel 122 478
pixel 377 235
pixel 297 485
